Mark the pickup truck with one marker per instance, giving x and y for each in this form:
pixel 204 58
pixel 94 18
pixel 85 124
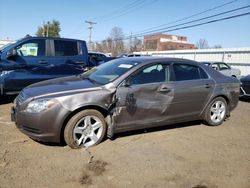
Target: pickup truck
pixel 34 59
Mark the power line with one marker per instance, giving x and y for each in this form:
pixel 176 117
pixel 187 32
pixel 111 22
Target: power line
pixel 208 22
pixel 121 9
pixel 188 17
pixel 146 31
pixel 131 10
pixel 203 23
pixel 204 18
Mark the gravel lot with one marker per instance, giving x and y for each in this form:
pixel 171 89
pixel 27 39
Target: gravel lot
pixel 184 155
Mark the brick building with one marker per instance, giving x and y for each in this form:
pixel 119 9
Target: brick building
pixel 162 42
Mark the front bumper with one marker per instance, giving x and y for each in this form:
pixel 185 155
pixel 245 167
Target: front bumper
pixel 44 126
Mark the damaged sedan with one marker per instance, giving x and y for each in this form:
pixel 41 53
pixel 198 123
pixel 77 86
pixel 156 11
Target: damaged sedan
pixel 123 95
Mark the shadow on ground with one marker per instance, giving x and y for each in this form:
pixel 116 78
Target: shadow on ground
pixel 52 144
pixel 5 99
pixel 136 132
pixel 245 99
pixel 156 129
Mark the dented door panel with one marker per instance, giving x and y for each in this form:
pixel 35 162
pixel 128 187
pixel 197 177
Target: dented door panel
pixel 190 98
pixel 139 106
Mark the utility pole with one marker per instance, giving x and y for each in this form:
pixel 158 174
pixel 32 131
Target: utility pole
pixel 48 23
pixel 43 29
pixel 90 32
pixel 130 42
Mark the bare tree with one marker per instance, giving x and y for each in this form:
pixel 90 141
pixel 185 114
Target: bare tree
pixel 98 47
pixel 114 43
pixel 116 36
pixel 110 45
pixel 135 45
pixel 217 46
pixel 202 44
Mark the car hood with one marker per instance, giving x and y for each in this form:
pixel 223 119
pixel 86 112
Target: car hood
pixel 245 78
pixel 72 84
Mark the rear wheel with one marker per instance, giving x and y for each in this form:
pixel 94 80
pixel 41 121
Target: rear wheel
pixel 216 112
pixel 86 128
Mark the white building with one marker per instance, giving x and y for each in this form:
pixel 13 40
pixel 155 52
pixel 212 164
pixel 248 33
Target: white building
pixel 5 41
pixel 235 57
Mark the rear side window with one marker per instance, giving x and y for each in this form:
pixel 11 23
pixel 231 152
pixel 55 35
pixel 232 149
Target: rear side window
pixel 203 74
pixel 65 48
pixel 188 72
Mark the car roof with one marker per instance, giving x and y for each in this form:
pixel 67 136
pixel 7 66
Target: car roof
pixel 150 59
pixel 211 62
pixel 54 38
pixel 96 52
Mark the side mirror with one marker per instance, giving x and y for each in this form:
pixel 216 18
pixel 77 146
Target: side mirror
pixel 11 53
pixel 127 83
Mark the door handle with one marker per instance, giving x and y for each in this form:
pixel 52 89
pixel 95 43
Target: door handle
pixel 165 89
pixel 208 85
pixel 43 62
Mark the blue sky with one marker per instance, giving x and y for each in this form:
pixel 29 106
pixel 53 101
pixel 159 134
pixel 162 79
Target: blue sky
pixel 21 17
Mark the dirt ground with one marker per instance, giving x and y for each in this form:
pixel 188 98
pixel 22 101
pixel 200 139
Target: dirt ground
pixel 186 156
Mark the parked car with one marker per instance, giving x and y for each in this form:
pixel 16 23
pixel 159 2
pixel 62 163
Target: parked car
pixel 33 59
pixel 245 86
pixel 122 55
pixel 134 55
pixel 224 69
pixel 121 95
pixel 99 54
pixel 97 58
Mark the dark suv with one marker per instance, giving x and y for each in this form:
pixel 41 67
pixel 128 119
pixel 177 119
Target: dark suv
pixel 33 59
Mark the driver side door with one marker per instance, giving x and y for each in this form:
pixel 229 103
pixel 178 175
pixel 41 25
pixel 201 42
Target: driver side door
pixel 145 100
pixel 31 55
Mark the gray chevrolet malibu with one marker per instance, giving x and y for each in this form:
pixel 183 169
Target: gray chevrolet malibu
pixel 122 95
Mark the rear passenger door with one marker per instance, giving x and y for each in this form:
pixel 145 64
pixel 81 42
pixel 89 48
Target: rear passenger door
pixel 66 58
pixel 192 88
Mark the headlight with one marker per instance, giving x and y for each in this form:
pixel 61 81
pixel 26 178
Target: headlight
pixel 39 105
pixel 14 103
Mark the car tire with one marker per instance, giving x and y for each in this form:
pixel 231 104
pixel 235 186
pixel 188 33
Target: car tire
pixel 86 128
pixel 216 112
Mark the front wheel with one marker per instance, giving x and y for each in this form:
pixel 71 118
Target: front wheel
pixel 216 111
pixel 86 128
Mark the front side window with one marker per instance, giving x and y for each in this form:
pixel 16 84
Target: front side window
pixel 32 48
pixel 151 74
pixel 188 72
pixel 65 48
pixel 215 66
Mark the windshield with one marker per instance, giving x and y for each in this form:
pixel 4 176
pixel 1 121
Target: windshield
pixel 109 71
